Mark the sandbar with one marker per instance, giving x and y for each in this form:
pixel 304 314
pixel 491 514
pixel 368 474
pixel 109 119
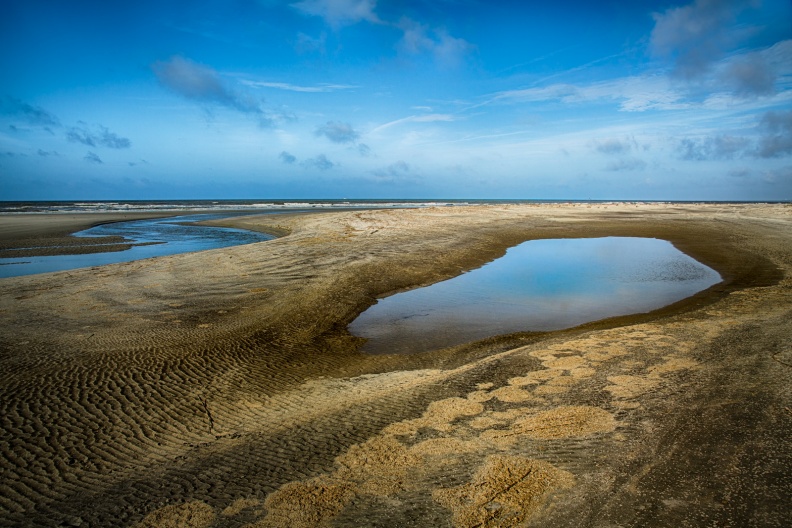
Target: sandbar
pixel 221 388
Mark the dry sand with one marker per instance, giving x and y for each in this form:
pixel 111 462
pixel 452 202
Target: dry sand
pixel 220 389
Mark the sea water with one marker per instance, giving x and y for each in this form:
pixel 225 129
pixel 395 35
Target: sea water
pixel 537 286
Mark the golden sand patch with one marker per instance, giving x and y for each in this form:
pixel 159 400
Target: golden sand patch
pixel 521 381
pixel 582 372
pixel 505 491
pixel 444 447
pixel 543 355
pixel 546 390
pixel 308 504
pixel 380 466
pixel 405 427
pixel 511 414
pixel 630 386
pixel 491 419
pixel 562 381
pixel 195 514
pixel 605 354
pixel 441 413
pixel 240 504
pixel 564 348
pixel 480 396
pixel 563 422
pixel 484 422
pixel 565 363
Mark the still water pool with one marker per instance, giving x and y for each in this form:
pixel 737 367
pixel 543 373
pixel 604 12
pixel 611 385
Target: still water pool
pixel 538 285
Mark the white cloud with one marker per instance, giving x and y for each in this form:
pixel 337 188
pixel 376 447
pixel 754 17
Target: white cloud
pixel 396 172
pixel 634 94
pixel 561 92
pixel 339 13
pixel 34 115
pixel 203 84
pixel 626 164
pixel 200 83
pixel 696 35
pixel 448 51
pixel 307 44
pixel 425 118
pixel 320 162
pixel 713 148
pixel 614 146
pixel 338 132
pixel 91 157
pixel 776 139
pixel 319 88
pixel 97 136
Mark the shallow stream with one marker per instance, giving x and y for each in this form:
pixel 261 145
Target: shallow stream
pixel 155 237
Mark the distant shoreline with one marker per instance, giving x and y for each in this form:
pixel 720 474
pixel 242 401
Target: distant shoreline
pixel 264 205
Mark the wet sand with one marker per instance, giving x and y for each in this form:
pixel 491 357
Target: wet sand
pixel 28 235
pixel 221 389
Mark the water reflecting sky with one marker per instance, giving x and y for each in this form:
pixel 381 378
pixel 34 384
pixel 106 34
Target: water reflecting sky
pixel 538 285
pixel 170 235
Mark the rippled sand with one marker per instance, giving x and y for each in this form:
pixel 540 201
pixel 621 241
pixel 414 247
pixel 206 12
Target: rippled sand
pixel 221 388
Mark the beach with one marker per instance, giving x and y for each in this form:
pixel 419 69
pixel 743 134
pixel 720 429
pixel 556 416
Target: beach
pixel 26 235
pixel 221 388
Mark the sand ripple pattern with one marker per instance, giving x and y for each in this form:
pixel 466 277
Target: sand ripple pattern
pixel 220 389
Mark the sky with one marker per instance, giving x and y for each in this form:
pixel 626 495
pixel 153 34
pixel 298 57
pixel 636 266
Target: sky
pixel 248 99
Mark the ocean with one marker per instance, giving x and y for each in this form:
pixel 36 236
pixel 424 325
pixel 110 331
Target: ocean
pixel 101 206
pixel 113 206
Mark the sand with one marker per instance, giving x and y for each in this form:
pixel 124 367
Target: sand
pixel 27 235
pixel 221 389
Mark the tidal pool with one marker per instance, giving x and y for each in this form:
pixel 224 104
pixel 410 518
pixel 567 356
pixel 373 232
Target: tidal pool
pixel 155 237
pixel 537 286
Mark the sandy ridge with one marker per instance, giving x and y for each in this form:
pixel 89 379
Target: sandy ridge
pixel 109 377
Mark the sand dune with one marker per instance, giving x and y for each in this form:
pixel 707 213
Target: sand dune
pixel 221 388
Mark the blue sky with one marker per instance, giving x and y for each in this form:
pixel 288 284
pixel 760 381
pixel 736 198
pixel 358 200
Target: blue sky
pixel 634 99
